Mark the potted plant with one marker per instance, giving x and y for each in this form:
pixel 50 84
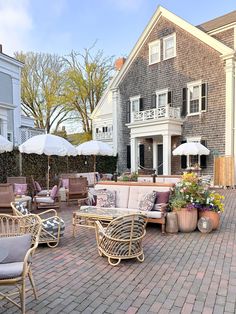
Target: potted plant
pixel 185 198
pixel 212 208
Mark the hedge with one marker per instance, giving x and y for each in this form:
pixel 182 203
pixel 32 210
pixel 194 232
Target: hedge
pixel 36 165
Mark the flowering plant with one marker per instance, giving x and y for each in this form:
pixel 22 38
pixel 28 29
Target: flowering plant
pixel 191 193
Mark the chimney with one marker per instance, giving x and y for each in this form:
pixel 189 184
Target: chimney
pixel 119 63
pixel 0 48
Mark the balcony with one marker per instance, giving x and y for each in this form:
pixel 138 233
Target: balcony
pixel 155 114
pixel 103 136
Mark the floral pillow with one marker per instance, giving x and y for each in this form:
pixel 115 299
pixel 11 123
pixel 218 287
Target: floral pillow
pixel 106 198
pixel 147 201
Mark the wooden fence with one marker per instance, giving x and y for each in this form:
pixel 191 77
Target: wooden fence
pixel 224 171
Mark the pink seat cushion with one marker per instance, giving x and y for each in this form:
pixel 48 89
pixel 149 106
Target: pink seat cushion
pixel 65 183
pixel 20 188
pixel 53 193
pixel 38 187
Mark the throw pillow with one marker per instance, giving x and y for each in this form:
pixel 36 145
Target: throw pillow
pixel 22 209
pixel 147 201
pixel 38 187
pixel 106 198
pixel 20 189
pixel 15 247
pixel 53 193
pixel 65 183
pixel 162 197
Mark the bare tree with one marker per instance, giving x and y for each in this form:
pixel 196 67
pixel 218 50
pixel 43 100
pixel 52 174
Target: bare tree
pixel 42 89
pixel 87 76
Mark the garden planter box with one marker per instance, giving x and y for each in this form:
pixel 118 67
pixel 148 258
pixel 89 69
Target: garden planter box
pixel 187 219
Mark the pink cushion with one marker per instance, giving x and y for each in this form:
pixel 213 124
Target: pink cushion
pixel 20 188
pixel 65 183
pixel 53 193
pixel 38 187
pixel 162 197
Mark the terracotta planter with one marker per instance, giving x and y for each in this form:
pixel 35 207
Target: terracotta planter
pixel 215 218
pixel 187 219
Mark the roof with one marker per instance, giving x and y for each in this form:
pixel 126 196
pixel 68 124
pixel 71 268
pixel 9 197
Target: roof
pixel 218 22
pixel 11 59
pixel 224 50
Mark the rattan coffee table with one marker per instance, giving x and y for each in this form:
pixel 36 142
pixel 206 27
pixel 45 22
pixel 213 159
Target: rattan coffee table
pixel 87 215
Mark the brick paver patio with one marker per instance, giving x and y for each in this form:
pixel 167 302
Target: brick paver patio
pixel 182 273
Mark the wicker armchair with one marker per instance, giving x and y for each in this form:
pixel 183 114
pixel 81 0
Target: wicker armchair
pixel 122 239
pixel 53 226
pixel 18 241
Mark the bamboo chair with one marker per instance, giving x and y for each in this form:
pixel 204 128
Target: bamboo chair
pixel 78 189
pixel 52 225
pixel 122 239
pixel 19 238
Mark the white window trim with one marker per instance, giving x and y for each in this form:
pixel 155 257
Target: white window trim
pixel 153 43
pixel 164 46
pixel 134 98
pixel 191 84
pixel 159 92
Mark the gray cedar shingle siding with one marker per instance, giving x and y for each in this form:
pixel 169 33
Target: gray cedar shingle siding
pixel 194 61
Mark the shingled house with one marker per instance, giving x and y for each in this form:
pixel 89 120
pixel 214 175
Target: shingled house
pixel 177 85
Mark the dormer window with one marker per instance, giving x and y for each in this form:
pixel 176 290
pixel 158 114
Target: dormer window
pixel 169 47
pixel 154 52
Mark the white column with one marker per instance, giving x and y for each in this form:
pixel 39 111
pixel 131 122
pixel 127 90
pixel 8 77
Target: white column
pixel 154 154
pixel 229 105
pixel 167 154
pixel 134 154
pixel 115 107
pixel 17 110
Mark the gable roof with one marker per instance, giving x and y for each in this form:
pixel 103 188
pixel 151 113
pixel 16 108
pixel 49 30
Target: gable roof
pixel 218 22
pixel 224 50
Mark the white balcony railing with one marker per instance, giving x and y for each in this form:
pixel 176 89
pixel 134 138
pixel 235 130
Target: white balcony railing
pixel 156 113
pixel 103 136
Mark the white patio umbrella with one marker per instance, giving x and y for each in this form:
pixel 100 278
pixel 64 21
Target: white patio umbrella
pixel 94 148
pixel 49 145
pixel 191 148
pixel 5 145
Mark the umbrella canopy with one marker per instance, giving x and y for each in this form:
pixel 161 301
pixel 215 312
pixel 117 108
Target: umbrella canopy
pixel 49 145
pixel 94 148
pixel 191 149
pixel 5 145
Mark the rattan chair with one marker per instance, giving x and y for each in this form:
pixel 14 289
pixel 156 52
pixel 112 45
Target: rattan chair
pixel 18 240
pixel 52 225
pixel 122 239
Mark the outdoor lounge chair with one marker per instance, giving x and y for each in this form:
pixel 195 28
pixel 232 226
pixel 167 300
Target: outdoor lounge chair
pixel 122 239
pixel 78 189
pixel 53 226
pixel 38 190
pixel 6 195
pixel 18 240
pixel 51 201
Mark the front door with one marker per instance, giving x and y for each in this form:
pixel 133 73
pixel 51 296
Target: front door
pixel 160 159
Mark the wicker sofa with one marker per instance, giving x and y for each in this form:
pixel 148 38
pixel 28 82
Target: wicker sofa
pixel 129 194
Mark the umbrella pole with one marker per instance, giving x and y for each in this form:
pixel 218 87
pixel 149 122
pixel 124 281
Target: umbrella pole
pixel 94 168
pixel 48 174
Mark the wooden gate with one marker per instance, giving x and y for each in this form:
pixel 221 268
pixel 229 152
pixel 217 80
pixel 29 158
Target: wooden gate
pixel 224 171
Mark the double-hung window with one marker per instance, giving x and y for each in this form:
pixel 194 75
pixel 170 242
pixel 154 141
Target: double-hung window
pixel 196 98
pixel 169 47
pixel 154 52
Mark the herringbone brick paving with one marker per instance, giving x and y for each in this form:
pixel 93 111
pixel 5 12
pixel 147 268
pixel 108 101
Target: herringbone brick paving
pixel 182 273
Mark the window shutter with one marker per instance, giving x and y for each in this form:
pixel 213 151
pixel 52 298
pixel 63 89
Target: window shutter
pixel 141 155
pixel 128 157
pixel 169 98
pixel 97 130
pixel 183 159
pixel 154 101
pixel 128 112
pixel 184 102
pixel 204 96
pixel 203 158
pixel 140 104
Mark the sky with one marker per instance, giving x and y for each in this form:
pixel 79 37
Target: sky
pixel 59 26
